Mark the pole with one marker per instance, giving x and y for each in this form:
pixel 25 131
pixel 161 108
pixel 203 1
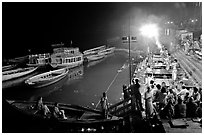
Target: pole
pixel 129 60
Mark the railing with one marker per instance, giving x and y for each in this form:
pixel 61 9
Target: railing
pixel 122 108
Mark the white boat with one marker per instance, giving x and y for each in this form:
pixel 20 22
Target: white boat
pixel 8 67
pixel 47 78
pixel 93 50
pixel 11 74
pixel 107 51
pixel 39 59
pixel 95 57
pixel 66 57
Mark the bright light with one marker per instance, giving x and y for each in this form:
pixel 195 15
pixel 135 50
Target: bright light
pixel 149 30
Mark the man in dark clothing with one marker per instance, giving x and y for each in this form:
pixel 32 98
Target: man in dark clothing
pixel 180 109
pixel 135 89
pixel 191 108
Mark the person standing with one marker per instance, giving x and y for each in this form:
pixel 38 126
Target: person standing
pixel 135 89
pixel 148 102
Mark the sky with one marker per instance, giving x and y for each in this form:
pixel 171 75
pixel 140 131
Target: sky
pixel 36 26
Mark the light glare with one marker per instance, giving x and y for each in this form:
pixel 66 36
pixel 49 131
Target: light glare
pixel 149 30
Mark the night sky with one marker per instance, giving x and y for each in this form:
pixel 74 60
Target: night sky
pixel 36 26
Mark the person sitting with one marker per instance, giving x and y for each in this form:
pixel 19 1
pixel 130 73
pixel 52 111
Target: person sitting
pixel 191 108
pixel 180 109
pixel 57 113
pixel 196 95
pixel 40 107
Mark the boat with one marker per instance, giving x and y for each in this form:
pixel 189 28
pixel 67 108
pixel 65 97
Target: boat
pixel 93 50
pixel 95 57
pixel 107 51
pixel 11 74
pixel 79 118
pixel 8 67
pixel 47 78
pixel 39 60
pixel 66 57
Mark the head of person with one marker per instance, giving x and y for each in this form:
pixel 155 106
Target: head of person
pixel 152 82
pixel 137 80
pixel 158 86
pixel 175 60
pixel 163 84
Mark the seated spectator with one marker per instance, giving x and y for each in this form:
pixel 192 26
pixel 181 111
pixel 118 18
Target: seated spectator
pixel 180 109
pixel 43 109
pixel 58 113
pixel 196 96
pixel 186 98
pixel 191 108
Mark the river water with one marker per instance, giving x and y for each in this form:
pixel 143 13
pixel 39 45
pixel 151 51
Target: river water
pixel 84 85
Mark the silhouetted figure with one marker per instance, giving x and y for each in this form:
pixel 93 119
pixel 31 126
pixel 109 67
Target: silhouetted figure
pixel 135 89
pixel 191 108
pixel 104 105
pixel 180 109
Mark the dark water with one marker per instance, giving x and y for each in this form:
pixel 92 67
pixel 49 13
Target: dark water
pixel 84 85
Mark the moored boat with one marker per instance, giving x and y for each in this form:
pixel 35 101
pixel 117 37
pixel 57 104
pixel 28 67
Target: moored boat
pixel 95 57
pixel 79 118
pixel 107 51
pixel 93 50
pixel 47 78
pixel 8 67
pixel 66 57
pixel 11 74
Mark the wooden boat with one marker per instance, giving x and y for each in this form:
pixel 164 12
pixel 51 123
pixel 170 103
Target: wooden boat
pixel 78 117
pixel 11 74
pixel 47 78
pixel 95 57
pixel 8 67
pixel 93 50
pixel 107 51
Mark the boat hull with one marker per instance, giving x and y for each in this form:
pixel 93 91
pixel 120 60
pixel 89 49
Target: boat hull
pixel 12 76
pixel 40 81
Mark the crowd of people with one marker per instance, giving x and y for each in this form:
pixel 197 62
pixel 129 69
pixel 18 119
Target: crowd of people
pixel 176 100
pixel 43 109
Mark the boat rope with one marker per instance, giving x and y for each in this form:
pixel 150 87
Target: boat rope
pixel 110 84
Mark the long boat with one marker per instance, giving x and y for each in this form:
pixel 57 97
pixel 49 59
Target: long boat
pixel 8 67
pixel 47 78
pixel 79 118
pixel 95 57
pixel 107 51
pixel 11 74
pixel 93 50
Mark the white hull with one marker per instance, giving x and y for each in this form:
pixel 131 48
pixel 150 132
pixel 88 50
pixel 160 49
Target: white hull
pixel 94 50
pixel 47 78
pixel 107 51
pixel 7 75
pixel 95 57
